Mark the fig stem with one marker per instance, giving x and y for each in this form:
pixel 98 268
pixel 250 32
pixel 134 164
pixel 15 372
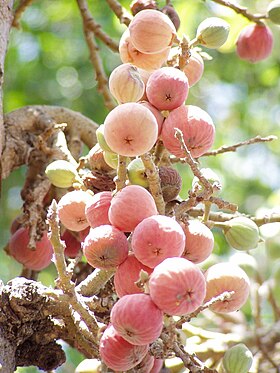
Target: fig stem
pixel 121 173
pixel 154 182
pixel 207 210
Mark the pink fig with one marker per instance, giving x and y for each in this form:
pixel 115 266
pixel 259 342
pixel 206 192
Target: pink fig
pixel 222 277
pixel 105 247
pixel 73 246
pixel 167 88
pixel 159 117
pixel 194 68
pixel 130 206
pixel 157 238
pixel 199 241
pixel 254 43
pixel 197 127
pixel 37 259
pixel 137 319
pixel 177 286
pixel 117 353
pixel 130 271
pixel 130 129
pixel 71 210
pixel 97 209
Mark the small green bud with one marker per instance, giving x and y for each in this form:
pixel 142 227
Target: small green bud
pixel 242 233
pixel 212 32
pixel 62 174
pixel 238 359
pixel 136 173
pixel 101 139
pixel 273 11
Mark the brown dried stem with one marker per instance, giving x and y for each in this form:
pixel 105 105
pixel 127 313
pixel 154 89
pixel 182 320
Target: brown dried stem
pixel 120 179
pixel 120 11
pixel 101 78
pixel 242 10
pixel 19 10
pixel 233 148
pixel 154 182
pixel 95 27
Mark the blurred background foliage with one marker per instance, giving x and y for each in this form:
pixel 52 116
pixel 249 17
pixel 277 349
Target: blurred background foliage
pixel 48 63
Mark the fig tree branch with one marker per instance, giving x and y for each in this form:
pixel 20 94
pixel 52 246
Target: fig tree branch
pixel 19 10
pixel 241 10
pixel 96 28
pixel 120 11
pixel 95 58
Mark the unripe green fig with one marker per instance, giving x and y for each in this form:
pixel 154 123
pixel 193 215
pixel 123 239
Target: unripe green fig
pixel 112 159
pixel 61 173
pixel 136 173
pixel 272 245
pixel 242 233
pixel 89 366
pixel 238 359
pixel 273 11
pixel 212 32
pixel 101 140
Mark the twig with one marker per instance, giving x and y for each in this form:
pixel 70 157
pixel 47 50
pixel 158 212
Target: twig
pixel 233 148
pixel 19 10
pixel 92 25
pixel 242 10
pixel 158 153
pixel 154 182
pixel 220 298
pixel 120 179
pixel 101 78
pixel 193 164
pixel 94 282
pixel 120 11
pixel 64 280
pixel 223 204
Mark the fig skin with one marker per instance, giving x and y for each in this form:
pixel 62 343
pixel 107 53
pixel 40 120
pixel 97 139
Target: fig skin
pixel 171 183
pixel 71 210
pixel 254 43
pixel 130 206
pixel 157 238
pixel 142 31
pixel 194 68
pixel 167 88
pixel 130 129
pixel 199 241
pixel 149 62
pixel 137 319
pixel 130 271
pixel 197 127
pixel 117 353
pixel 223 277
pixel 98 208
pixel 37 259
pixel 177 286
pixel 105 247
pixel 73 245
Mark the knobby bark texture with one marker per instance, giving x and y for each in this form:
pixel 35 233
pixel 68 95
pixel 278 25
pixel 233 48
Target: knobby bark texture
pixel 6 18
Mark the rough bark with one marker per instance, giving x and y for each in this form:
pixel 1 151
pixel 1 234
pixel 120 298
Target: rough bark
pixel 6 18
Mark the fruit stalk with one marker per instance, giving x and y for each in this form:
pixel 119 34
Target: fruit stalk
pixel 121 173
pixel 154 182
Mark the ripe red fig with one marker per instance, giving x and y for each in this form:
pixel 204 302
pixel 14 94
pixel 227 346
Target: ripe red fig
pixel 167 88
pixel 130 129
pixel 71 210
pixel 223 277
pixel 177 286
pixel 130 271
pixel 137 319
pixel 157 238
pixel 73 246
pixel 194 68
pixel 199 241
pixel 37 259
pixel 254 43
pixel 117 353
pixel 98 208
pixel 105 247
pixel 197 127
pixel 130 206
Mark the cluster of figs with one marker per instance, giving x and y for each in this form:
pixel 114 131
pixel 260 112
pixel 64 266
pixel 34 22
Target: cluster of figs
pixel 155 257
